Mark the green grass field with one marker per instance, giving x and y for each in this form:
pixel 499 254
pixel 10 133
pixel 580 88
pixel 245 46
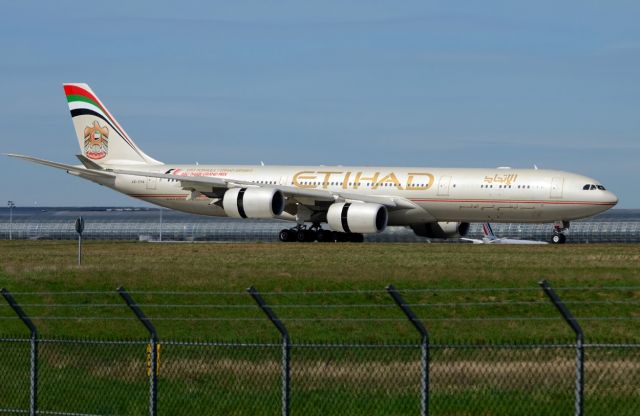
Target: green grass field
pixel 325 293
pixel 450 286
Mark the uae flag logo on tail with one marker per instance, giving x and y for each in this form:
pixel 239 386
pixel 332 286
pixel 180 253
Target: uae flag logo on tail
pixel 96 141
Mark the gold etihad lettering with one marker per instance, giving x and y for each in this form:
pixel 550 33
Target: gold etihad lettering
pixel 365 179
pixel 345 182
pixel 416 181
pixel 424 181
pixel 390 178
pixel 505 179
pixel 327 176
pixel 302 179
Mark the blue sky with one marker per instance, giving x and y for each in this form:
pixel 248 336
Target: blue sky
pixel 413 83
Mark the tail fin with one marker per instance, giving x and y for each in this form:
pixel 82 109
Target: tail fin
pixel 100 136
pixel 487 231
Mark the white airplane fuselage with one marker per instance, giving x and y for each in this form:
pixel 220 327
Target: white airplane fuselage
pixel 351 200
pixel 440 194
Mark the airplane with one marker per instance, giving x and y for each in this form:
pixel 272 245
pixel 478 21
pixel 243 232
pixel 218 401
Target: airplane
pixel 490 238
pixel 351 200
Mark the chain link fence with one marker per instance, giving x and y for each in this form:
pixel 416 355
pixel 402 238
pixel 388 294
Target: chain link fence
pixel 69 376
pixel 101 377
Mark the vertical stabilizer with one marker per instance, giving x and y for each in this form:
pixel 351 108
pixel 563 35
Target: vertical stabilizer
pixel 100 136
pixel 487 231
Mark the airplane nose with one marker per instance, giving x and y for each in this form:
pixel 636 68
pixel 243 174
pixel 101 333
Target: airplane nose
pixel 611 198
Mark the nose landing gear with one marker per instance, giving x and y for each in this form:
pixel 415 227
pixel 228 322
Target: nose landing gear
pixel 559 227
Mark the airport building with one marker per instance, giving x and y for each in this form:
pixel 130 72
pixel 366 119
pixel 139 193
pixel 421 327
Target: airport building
pixel 153 224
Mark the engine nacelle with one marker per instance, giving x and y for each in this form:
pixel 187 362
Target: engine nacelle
pixel 441 229
pixel 253 202
pixel 363 218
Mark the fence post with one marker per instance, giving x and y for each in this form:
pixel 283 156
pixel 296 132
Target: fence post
pixel 33 397
pixel 153 371
pixel 286 348
pixel 424 347
pixel 571 321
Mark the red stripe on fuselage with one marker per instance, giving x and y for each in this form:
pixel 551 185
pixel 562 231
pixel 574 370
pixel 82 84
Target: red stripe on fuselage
pixel 498 201
pixel 159 195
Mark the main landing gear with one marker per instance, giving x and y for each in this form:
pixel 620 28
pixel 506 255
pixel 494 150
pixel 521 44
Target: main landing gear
pixel 559 227
pixel 302 234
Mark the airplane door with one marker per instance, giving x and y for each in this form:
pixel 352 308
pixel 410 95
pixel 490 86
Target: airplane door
pixel 556 187
pixel 443 186
pixel 151 183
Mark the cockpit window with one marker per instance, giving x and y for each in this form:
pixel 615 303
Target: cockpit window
pixel 591 187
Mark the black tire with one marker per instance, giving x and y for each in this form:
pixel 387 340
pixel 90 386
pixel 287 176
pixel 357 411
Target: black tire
pixel 356 238
pixel 310 236
pixel 341 237
pixel 325 236
pixel 563 238
pixel 558 238
pixel 286 236
pixel 305 236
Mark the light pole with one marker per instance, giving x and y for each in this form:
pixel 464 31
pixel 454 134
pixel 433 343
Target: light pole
pixel 161 224
pixel 11 205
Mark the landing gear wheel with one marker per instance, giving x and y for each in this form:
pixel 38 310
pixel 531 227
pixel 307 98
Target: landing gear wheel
pixel 286 236
pixel 558 239
pixel 312 235
pixel 325 236
pixel 356 238
pixel 306 236
pixel 341 237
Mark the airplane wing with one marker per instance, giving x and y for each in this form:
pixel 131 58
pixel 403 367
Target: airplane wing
pixel 207 184
pixel 472 240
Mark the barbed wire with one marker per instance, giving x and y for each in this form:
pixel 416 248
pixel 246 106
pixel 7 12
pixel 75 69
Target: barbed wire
pixel 332 292
pixel 328 306
pixel 328 319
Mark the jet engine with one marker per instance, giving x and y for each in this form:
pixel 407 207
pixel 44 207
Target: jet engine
pixel 253 203
pixel 441 229
pixel 363 218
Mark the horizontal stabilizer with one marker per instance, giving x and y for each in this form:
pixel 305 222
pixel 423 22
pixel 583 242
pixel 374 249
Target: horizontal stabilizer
pixel 69 168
